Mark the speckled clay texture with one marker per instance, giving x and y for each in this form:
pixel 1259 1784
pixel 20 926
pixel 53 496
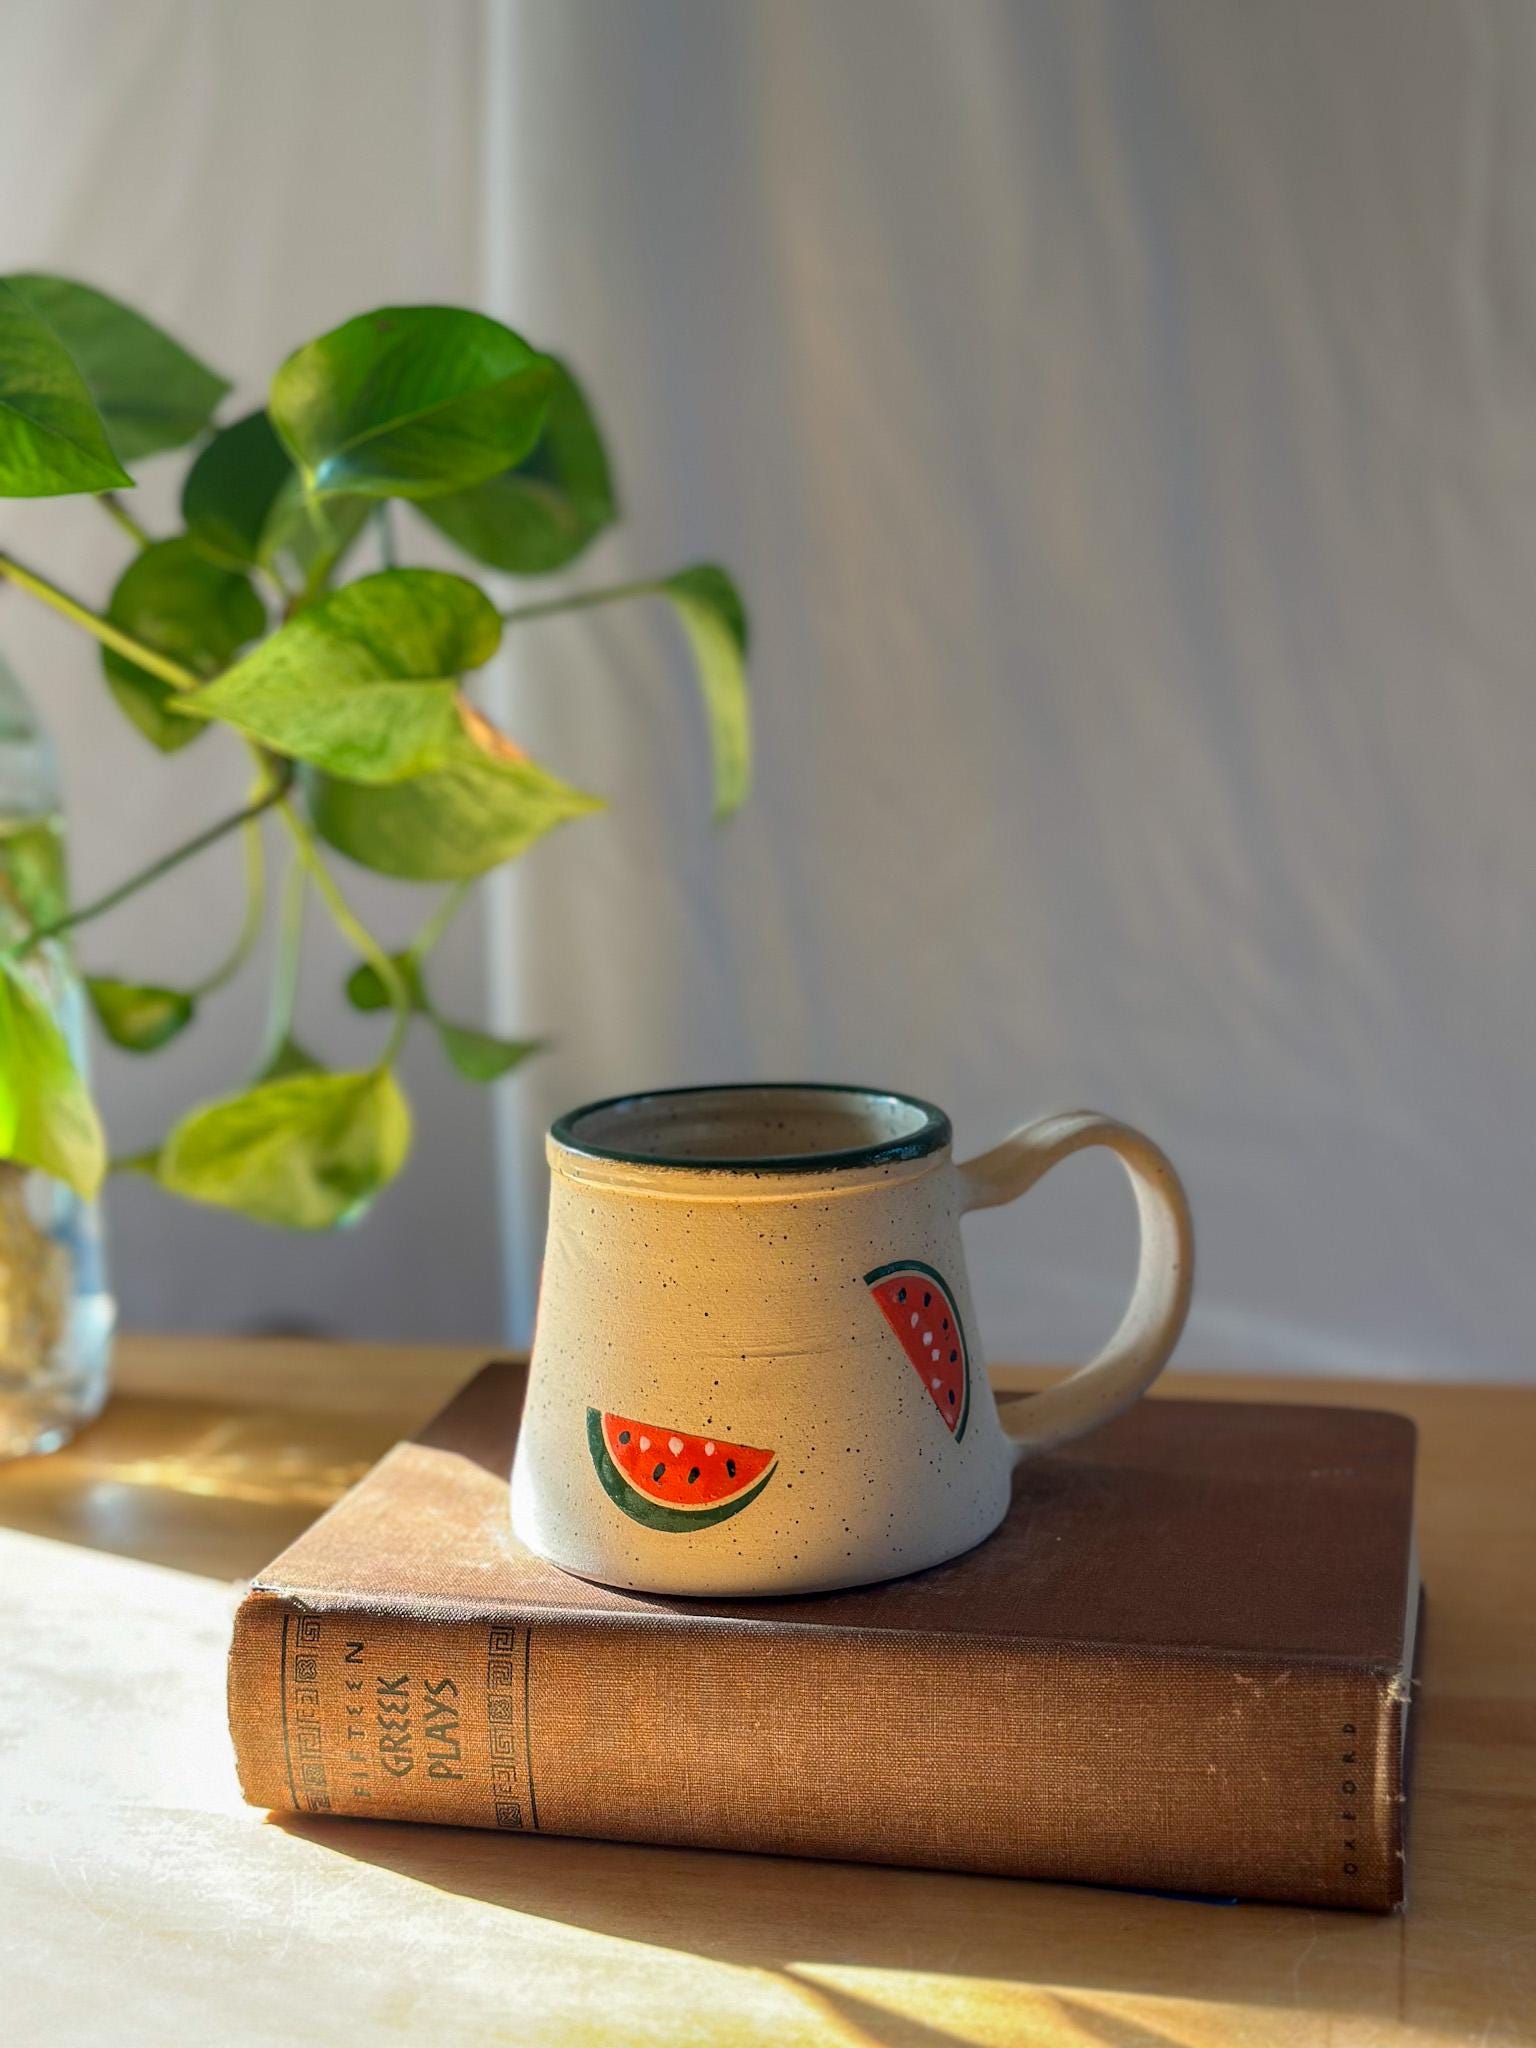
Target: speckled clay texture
pixel 731 1303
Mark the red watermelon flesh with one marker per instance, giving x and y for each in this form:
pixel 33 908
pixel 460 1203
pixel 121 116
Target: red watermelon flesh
pixel 920 1309
pixel 678 1470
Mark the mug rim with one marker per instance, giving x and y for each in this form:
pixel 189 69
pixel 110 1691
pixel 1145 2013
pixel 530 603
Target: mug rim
pixel 932 1134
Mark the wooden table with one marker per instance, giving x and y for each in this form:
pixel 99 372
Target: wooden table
pixel 141 1902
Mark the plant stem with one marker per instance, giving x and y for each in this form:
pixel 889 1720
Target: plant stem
pixel 255 908
pixel 115 509
pixel 152 873
pixel 109 635
pixel 320 571
pixel 580 602
pixel 286 961
pixel 386 536
pixel 351 926
pixel 439 921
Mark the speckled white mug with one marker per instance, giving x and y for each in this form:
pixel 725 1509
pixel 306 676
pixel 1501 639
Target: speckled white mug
pixel 756 1370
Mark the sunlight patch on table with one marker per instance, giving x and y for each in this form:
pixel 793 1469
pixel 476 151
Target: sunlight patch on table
pixel 989 2013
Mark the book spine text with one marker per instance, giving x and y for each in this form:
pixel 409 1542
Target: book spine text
pixel 1163 1771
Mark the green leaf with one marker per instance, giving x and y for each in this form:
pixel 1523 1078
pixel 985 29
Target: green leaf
pixel 479 1056
pixel 305 1152
pixel 541 513
pixel 715 621
pixel 411 401
pixel 245 504
pixel 52 439
pixel 306 537
pixel 366 990
pixel 231 488
pixel 486 805
pixel 146 1162
pixel 149 391
pixel 176 600
pixel 47 1117
pixel 289 1057
pixel 32 876
pixel 362 682
pixel 139 1017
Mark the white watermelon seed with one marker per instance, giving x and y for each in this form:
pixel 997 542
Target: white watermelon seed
pixel 645 1443
pixel 934 1355
pixel 675 1445
pixel 914 1319
pixel 709 1450
pixel 935 1383
pixel 927 1336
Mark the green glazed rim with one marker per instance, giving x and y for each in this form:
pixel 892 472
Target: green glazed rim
pixel 932 1133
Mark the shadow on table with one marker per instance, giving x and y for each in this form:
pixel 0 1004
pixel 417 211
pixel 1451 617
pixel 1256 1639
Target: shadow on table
pixel 209 1487
pixel 799 1919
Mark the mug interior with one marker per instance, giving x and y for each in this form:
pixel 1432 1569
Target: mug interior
pixel 784 1127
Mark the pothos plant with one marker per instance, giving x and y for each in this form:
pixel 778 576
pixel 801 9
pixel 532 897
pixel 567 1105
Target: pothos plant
pixel 344 689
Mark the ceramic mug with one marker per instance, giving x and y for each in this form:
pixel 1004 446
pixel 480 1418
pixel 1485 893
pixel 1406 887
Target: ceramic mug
pixel 755 1369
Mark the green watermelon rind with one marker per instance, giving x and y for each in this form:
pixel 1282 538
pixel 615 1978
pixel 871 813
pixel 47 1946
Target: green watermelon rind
pixel 889 1271
pixel 651 1514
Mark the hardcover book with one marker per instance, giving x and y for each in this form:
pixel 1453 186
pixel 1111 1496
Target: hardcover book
pixel 1184 1663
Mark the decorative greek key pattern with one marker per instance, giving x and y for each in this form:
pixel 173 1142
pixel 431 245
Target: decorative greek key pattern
pixel 507 1661
pixel 303 1741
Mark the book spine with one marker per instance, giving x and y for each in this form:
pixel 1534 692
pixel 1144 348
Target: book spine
pixel 1161 1771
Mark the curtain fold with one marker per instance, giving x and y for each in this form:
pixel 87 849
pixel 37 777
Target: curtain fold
pixel 1122 421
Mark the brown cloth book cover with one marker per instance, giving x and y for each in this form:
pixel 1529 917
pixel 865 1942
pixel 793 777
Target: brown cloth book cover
pixel 1182 1664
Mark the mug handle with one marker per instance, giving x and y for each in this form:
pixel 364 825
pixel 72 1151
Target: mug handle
pixel 1151 1325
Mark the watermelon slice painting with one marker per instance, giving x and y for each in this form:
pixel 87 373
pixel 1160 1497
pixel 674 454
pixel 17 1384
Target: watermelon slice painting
pixel 668 1480
pixel 917 1303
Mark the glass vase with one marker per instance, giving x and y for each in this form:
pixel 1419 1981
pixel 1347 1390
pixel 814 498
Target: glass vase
pixel 56 1311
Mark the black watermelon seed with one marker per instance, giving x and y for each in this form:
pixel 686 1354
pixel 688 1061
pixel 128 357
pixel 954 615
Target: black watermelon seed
pixel 953 1356
pixel 730 1468
pixel 658 1472
pixel 926 1299
pixel 946 1322
pixel 623 1436
pixel 901 1294
pixel 695 1472
pixel 951 1397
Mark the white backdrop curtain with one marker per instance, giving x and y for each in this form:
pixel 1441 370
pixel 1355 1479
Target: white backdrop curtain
pixel 1122 418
